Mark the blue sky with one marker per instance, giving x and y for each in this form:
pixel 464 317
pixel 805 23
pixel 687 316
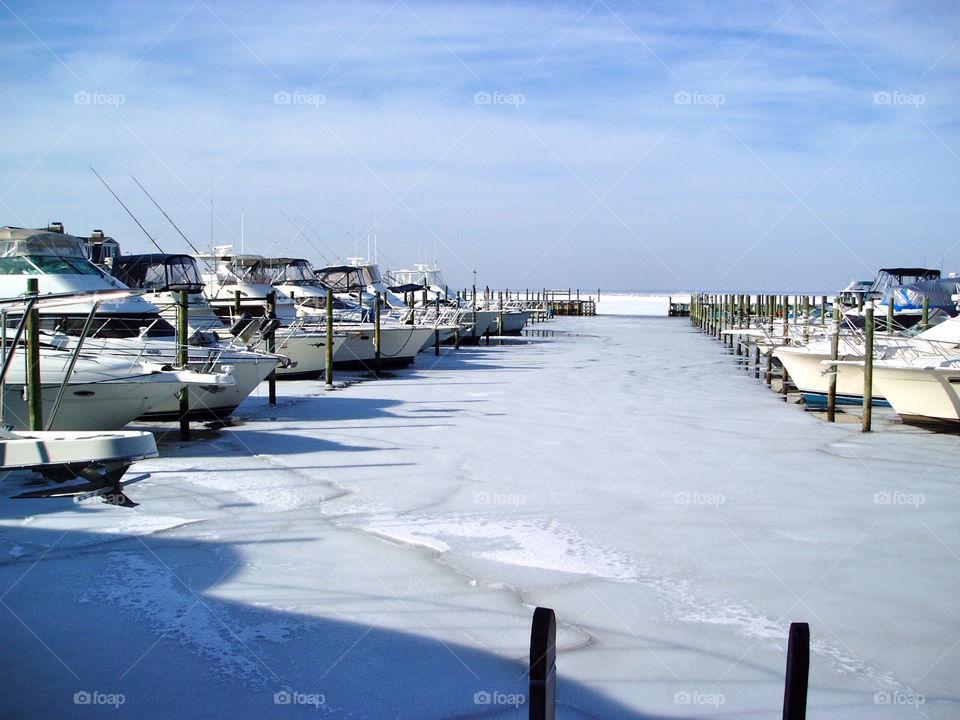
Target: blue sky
pixel 656 146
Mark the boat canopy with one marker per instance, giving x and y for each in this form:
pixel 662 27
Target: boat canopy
pixel 421 275
pixel 159 272
pixel 888 277
pixel 28 252
pixel 939 293
pixel 290 271
pixel 342 278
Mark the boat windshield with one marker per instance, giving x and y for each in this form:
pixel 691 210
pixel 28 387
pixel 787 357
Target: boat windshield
pixel 46 265
pixel 254 272
pixel 292 272
pixel 157 274
pixel 342 279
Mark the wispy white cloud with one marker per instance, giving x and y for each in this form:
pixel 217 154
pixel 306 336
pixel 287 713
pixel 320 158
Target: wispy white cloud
pixel 782 87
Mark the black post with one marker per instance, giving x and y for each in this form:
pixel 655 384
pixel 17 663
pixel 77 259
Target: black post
pixel 543 665
pixel 328 348
pixel 183 356
pixel 272 346
pixel 34 386
pixel 798 672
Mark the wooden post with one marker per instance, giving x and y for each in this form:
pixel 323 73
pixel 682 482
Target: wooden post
pixel 834 352
pixel 890 315
pixel 868 370
pixel 272 346
pixel 34 388
pixel 474 331
pixel 236 303
pixel 806 319
pixel 823 309
pixel 376 334
pixel 456 333
pixel 925 321
pixel 182 359
pixel 328 374
pixel 786 335
pixel 798 672
pixel 772 307
pixel 756 343
pixel 436 329
pixel 500 315
pixel 543 665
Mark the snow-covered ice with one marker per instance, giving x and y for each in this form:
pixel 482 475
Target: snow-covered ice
pixel 376 551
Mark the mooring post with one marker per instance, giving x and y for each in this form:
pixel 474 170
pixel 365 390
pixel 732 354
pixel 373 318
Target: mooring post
pixel 890 315
pixel 500 315
pixel 474 332
pixel 236 304
pixel 806 319
pixel 272 346
pixel 834 370
pixel 868 369
pixel 823 309
pixel 182 359
pixel 772 308
pixel 925 321
pixel 798 672
pixel 436 329
pixel 328 374
pixel 786 338
pixel 376 334
pixel 756 342
pixel 543 665
pixel 456 333
pixel 34 388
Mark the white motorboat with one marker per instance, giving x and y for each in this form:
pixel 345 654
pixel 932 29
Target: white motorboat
pixel 921 391
pixel 237 287
pixel 127 326
pixel 101 392
pixel 810 366
pixel 99 458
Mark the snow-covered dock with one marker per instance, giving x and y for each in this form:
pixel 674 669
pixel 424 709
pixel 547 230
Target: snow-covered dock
pixel 376 550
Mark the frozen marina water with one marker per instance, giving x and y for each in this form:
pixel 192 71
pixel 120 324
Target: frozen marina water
pixel 376 551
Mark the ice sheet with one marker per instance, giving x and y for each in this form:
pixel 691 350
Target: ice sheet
pixel 381 546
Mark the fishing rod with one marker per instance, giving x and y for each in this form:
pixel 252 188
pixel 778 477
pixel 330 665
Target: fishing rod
pixel 185 239
pixel 126 208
